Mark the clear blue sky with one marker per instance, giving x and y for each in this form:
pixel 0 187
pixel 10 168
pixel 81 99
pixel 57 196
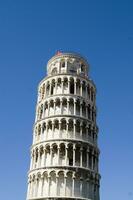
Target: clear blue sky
pixel 30 33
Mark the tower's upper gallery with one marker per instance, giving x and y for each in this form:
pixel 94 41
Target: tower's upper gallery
pixel 67 63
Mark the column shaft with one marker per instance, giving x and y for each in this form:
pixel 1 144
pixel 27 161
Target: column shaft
pixel 81 187
pixel 58 153
pixel 74 107
pixel 75 91
pixel 62 87
pixel 81 90
pixel 73 185
pixel 81 157
pixel 74 151
pixel 86 91
pixel 68 87
pixel 74 131
pixel 56 185
pixel 66 155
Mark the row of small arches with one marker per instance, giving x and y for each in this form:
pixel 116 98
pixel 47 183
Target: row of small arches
pixel 64 106
pixel 63 184
pixel 89 176
pixel 65 128
pixel 65 154
pixel 67 85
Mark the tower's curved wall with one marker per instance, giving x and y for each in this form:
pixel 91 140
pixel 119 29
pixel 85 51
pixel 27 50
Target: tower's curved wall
pixel 64 153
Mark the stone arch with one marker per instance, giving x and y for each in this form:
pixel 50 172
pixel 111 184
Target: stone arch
pixel 84 155
pixel 84 109
pixel 45 187
pixel 78 128
pixel 54 154
pixel 52 185
pixel 44 129
pixel 62 66
pixel 84 131
pixel 77 184
pixel 56 128
pixel 54 71
pixel 49 131
pixel 63 128
pixel 33 185
pixel 53 87
pixel 47 88
pixel 62 154
pixel 58 91
pixel 84 89
pixel 92 93
pixel 70 128
pixel 57 106
pixel 41 151
pixel 70 154
pixel 71 85
pixel 64 106
pixel 60 183
pixel 77 154
pixel 41 111
pixel 51 107
pixel 69 184
pixel 78 86
pixel 88 90
pixel 82 68
pixel 78 107
pixel 46 109
pixel 36 156
pixel 71 106
pixel 47 155
pixel 65 81
pixel 43 91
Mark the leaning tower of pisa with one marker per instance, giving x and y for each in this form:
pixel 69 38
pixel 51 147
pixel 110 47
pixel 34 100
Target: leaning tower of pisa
pixel 64 152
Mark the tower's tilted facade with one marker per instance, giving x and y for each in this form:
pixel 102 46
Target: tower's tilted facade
pixel 64 153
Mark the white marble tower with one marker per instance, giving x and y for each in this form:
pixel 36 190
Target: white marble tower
pixel 64 153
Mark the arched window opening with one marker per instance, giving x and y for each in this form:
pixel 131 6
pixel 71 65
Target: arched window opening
pixel 44 127
pixel 82 68
pixel 36 156
pixel 83 109
pixel 84 89
pixel 78 107
pixel 84 157
pixel 52 87
pixel 39 130
pixel 51 107
pixel 88 88
pixel 77 156
pixel 54 71
pixel 72 87
pixel 41 111
pixel 78 127
pixel 90 157
pixel 47 89
pixel 70 126
pixel 59 86
pixel 92 94
pixel 62 151
pixel 93 114
pixel 78 87
pixel 63 125
pixel 70 155
pixel 43 91
pixel 89 112
pixel 63 64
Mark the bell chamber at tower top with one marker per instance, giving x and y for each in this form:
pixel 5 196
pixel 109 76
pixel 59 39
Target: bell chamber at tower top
pixel 67 63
